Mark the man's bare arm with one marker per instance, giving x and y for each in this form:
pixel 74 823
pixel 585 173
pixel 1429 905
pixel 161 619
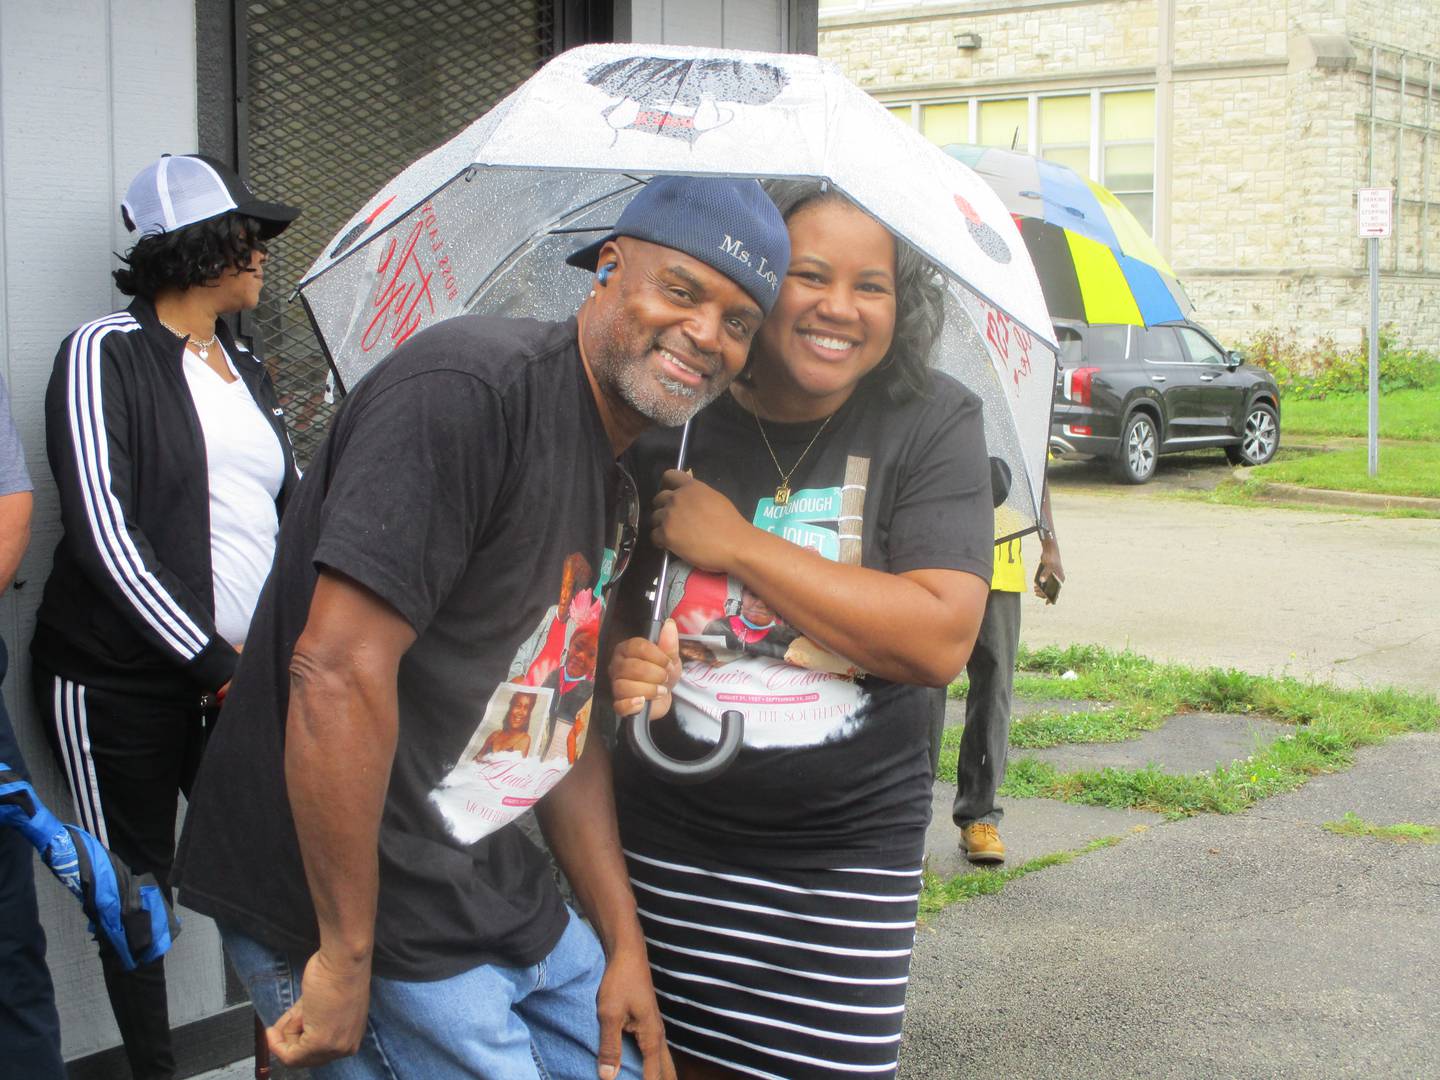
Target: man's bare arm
pixel 339 746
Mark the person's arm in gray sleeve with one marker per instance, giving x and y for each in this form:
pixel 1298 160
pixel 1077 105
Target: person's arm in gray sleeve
pixel 16 500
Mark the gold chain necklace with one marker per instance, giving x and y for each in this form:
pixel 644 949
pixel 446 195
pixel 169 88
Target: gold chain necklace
pixel 202 348
pixel 782 493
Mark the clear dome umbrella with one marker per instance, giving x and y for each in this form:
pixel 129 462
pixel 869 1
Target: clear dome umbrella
pixel 484 222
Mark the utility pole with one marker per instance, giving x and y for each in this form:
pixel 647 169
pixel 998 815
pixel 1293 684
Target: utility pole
pixel 1373 220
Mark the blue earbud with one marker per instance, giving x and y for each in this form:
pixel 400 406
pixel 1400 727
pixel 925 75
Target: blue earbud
pixel 603 274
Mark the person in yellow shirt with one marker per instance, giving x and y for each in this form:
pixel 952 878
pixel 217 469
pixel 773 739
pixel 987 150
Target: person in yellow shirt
pixel 991 669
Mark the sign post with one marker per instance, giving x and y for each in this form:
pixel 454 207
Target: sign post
pixel 1373 221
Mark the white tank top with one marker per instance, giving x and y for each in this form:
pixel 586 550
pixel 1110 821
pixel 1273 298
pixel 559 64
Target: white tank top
pixel 247 470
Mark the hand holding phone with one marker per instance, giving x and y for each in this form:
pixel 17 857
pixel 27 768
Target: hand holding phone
pixel 1047 585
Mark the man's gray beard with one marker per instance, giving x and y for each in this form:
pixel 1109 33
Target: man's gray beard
pixel 662 400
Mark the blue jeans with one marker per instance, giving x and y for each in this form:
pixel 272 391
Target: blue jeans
pixel 531 1023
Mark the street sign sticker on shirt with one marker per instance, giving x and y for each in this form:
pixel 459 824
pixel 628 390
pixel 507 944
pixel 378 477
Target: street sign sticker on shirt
pixel 1372 212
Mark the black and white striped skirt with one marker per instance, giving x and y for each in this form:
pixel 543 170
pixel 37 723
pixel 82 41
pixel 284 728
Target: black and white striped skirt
pixel 789 974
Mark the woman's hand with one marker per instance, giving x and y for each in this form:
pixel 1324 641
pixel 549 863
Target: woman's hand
pixel 696 522
pixel 641 671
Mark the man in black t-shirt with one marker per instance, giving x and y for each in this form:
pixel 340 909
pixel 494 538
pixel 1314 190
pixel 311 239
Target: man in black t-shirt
pixel 352 825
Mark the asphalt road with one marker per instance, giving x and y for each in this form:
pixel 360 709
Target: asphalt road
pixel 1257 945
pixel 1349 598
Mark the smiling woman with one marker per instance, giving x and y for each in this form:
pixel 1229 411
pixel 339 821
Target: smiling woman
pixel 833 555
pixel 170 455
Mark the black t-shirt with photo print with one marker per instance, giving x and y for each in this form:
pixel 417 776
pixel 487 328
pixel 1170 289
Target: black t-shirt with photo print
pixel 834 766
pixel 466 482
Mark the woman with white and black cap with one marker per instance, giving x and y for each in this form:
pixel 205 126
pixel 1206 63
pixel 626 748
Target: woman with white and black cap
pixel 169 451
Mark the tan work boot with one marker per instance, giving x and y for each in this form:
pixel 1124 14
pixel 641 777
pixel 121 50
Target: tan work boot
pixel 981 843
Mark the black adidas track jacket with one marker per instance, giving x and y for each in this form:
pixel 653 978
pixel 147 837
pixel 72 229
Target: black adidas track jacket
pixel 129 605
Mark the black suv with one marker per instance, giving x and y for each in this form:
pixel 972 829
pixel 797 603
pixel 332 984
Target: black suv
pixel 1131 393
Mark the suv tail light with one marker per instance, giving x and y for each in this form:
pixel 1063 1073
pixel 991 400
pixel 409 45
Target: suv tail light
pixel 1077 384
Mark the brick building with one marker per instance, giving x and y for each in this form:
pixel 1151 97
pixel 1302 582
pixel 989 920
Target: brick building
pixel 1237 132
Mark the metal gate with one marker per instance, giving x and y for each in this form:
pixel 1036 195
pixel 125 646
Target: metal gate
pixel 337 96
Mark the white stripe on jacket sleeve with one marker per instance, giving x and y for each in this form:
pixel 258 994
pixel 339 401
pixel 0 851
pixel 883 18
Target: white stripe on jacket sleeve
pixel 102 508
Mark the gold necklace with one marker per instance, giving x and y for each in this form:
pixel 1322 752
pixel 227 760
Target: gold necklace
pixel 202 348
pixel 782 493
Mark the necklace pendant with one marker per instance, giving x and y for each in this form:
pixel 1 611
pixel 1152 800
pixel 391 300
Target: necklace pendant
pixel 202 351
pixel 782 493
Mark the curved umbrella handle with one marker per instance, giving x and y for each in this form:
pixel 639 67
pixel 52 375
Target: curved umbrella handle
pixel 675 770
pixel 637 728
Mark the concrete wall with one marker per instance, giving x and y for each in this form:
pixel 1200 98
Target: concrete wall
pixel 90 90
pixel 1258 145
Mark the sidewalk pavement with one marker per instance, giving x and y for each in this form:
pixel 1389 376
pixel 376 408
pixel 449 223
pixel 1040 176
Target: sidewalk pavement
pixel 1247 946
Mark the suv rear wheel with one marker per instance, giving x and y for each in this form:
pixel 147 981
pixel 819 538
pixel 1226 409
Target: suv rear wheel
pixel 1139 446
pixel 1260 438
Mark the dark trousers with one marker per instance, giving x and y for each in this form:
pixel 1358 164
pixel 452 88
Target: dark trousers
pixel 986 739
pixel 127 759
pixel 29 1025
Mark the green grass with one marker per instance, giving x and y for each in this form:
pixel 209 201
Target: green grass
pixel 936 894
pixel 1402 833
pixel 1405 469
pixel 1253 492
pixel 1050 727
pixel 1404 414
pixel 1328 723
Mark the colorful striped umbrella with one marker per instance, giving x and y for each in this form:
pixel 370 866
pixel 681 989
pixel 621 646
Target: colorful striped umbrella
pixel 1096 263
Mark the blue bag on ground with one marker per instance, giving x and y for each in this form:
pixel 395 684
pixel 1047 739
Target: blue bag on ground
pixel 127 911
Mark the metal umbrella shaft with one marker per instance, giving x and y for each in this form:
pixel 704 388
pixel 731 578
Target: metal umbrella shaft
pixel 637 729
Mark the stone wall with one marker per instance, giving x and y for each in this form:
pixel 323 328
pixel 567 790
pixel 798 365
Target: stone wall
pixel 1335 307
pixel 1265 145
pixel 1413 24
pixel 1211 32
pixel 894 49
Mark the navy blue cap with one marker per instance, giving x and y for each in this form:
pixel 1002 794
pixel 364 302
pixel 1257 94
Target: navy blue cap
pixel 730 225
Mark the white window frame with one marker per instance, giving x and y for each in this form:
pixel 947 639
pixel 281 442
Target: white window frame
pixel 1097 143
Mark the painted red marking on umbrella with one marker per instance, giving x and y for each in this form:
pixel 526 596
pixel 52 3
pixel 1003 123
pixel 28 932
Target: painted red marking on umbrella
pixel 379 210
pixel 400 294
pixel 651 118
pixel 398 297
pixel 965 208
pixel 1011 342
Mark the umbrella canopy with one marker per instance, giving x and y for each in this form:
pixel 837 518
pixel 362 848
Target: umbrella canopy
pixel 1096 262
pixel 484 222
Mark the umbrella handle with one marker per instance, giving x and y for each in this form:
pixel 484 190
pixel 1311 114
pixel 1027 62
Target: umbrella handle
pixel 637 728
pixel 675 770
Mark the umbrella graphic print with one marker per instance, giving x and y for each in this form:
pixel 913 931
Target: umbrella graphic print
pixel 682 98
